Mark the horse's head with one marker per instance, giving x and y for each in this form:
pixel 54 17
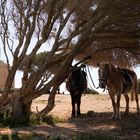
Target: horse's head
pixel 78 81
pixel 103 75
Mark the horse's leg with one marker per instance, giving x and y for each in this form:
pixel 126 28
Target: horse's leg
pixel 134 91
pixel 73 105
pixel 118 116
pixel 78 104
pixel 137 101
pixel 113 104
pixel 127 104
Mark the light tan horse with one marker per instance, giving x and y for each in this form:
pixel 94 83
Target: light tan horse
pixel 118 82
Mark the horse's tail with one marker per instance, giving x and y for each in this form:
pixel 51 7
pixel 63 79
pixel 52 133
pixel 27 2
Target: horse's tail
pixel 134 91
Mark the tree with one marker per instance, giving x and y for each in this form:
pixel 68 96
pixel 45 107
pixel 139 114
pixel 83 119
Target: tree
pixel 75 29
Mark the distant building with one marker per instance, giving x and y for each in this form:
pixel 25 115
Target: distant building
pixel 4 74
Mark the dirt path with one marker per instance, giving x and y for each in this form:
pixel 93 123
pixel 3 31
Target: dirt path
pixel 95 119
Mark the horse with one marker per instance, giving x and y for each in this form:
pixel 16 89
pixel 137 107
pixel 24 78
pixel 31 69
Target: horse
pixel 76 85
pixel 118 82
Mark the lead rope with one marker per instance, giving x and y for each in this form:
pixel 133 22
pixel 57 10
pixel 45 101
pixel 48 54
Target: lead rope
pixel 88 80
pixel 87 69
pixel 84 69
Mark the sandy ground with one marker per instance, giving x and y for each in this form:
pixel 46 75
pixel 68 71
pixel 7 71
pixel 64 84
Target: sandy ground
pixel 95 119
pixel 96 103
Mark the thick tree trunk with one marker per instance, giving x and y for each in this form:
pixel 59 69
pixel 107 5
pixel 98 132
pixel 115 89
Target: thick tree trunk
pixel 20 101
pixel 19 109
pixel 15 106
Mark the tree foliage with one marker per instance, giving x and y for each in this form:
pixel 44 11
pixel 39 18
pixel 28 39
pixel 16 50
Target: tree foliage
pixel 96 30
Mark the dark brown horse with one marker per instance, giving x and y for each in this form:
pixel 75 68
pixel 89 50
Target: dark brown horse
pixel 118 82
pixel 76 85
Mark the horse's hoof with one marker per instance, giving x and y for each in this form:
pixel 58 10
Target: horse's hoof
pixel 72 115
pixel 125 114
pixel 117 118
pixel 113 117
pixel 78 114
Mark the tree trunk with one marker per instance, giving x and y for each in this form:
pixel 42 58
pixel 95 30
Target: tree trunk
pixel 19 109
pixel 50 105
pixel 20 101
pixel 15 106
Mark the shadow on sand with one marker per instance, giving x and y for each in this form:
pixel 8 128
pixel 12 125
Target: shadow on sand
pixel 94 125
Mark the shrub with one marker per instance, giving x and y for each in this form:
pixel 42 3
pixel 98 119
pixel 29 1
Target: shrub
pixel 37 119
pixel 33 119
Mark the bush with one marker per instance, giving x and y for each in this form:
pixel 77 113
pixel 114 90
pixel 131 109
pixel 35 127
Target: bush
pixel 11 122
pixel 33 119
pixel 37 119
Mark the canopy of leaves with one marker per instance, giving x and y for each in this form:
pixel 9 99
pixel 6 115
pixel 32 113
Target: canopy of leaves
pixel 87 30
pixel 108 31
pixel 118 39
pixel 102 31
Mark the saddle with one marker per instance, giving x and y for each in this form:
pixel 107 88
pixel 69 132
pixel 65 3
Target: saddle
pixel 127 82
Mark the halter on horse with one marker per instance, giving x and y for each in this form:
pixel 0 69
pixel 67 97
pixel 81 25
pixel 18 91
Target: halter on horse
pixel 118 81
pixel 76 85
